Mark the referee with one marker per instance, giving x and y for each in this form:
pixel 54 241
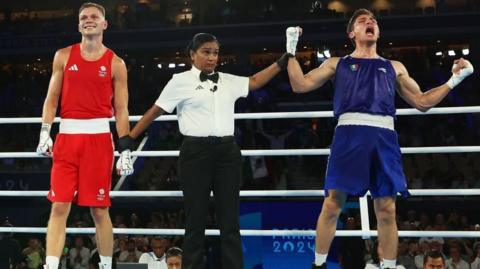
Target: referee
pixel 210 160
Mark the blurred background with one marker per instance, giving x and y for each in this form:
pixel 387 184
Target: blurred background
pixel 151 36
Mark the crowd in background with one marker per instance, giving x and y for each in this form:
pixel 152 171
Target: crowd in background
pixel 23 88
pixel 141 14
pixel 354 252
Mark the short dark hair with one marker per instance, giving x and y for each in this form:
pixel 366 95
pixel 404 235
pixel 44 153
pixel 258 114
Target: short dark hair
pixel 91 4
pixel 198 40
pixel 157 238
pixel 356 14
pixel 173 252
pixel 434 254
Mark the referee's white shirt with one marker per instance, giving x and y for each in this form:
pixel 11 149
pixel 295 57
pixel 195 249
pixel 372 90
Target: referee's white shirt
pixel 200 111
pixel 152 261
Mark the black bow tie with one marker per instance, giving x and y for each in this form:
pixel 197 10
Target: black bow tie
pixel 213 77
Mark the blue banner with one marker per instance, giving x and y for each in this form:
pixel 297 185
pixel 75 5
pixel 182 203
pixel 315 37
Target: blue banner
pixel 284 252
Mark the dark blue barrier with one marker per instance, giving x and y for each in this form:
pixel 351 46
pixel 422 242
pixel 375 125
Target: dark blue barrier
pixel 24 181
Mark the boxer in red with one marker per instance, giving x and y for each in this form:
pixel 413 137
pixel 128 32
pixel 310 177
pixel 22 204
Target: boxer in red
pixel 90 81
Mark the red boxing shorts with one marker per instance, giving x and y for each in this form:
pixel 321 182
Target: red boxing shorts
pixel 82 168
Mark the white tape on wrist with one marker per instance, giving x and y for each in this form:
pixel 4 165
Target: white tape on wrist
pixel 456 78
pixel 292 39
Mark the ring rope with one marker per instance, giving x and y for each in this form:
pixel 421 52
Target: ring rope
pixel 365 232
pixel 280 115
pixel 255 193
pixel 269 152
pixel 249 232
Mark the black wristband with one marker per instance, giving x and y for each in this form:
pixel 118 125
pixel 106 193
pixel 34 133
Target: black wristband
pixel 125 143
pixel 282 62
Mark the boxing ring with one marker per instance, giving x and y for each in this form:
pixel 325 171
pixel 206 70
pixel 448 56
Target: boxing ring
pixel 364 232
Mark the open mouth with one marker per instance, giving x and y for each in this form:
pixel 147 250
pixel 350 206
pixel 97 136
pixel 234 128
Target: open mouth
pixel 89 27
pixel 370 31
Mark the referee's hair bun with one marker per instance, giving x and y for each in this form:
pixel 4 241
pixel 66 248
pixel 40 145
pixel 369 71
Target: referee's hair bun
pixel 198 40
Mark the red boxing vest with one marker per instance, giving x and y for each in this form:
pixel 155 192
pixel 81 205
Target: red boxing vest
pixel 87 90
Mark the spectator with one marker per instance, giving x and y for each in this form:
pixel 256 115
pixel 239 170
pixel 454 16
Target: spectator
pixel 142 243
pixel 174 258
pixel 131 254
pixel 79 254
pixel 135 221
pixel 476 251
pixel 411 220
pixel 9 248
pixel 436 243
pixel 65 258
pixel 403 257
pixel 424 222
pixel 434 260
pixel 428 244
pixel 156 220
pixel 260 176
pixel 156 258
pixel 413 249
pixel 123 16
pixel 455 261
pixel 121 246
pixel 119 221
pixel 34 253
pixel 440 223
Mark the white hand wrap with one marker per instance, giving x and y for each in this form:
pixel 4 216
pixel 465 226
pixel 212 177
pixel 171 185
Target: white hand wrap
pixel 456 78
pixel 45 143
pixel 125 163
pixel 292 39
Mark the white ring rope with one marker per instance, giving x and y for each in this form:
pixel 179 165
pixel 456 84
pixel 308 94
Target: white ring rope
pixel 281 115
pixel 273 233
pixel 258 193
pixel 365 232
pixel 269 152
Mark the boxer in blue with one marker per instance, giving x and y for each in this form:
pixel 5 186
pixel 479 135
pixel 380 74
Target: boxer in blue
pixel 365 155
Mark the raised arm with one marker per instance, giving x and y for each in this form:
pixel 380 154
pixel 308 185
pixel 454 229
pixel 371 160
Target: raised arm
pixel 147 118
pixel 314 79
pixel 264 76
pixel 423 101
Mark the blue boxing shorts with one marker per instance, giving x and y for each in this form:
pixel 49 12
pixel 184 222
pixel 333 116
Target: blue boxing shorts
pixel 365 158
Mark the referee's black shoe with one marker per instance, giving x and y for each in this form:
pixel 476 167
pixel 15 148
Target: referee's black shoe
pixel 323 266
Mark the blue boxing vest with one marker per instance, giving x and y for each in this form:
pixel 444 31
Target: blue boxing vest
pixel 365 86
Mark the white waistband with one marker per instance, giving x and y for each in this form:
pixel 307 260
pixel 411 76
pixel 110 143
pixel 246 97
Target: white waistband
pixel 355 118
pixel 88 126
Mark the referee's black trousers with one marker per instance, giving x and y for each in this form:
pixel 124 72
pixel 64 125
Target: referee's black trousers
pixel 207 164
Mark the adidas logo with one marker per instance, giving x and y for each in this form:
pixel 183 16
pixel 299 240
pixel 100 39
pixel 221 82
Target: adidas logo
pixel 73 68
pixel 199 87
pixel 384 70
